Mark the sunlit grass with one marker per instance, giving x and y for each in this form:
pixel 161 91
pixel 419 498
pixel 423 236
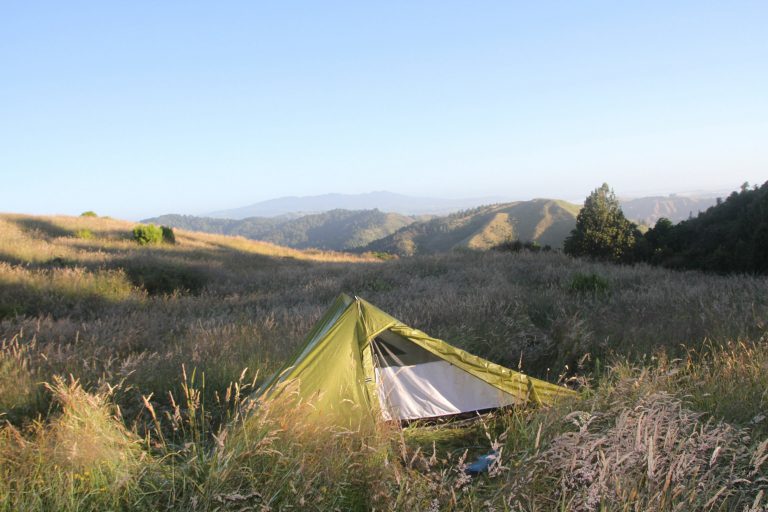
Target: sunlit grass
pixel 83 459
pixel 125 373
pixel 19 386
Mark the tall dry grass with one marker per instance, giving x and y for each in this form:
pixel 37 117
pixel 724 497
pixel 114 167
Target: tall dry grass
pixel 164 343
pixel 82 458
pixel 646 452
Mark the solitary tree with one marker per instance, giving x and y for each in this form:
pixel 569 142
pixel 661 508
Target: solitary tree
pixel 602 231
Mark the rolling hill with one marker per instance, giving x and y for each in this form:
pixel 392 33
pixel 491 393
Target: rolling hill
pixel 335 229
pixel 542 220
pixel 545 221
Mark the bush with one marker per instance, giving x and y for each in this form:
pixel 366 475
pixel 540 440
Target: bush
pixel 589 283
pixel 519 245
pixel 383 256
pixel 168 236
pixel 85 234
pixel 146 234
pixel 89 213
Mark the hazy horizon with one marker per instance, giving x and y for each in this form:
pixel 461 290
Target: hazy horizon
pixel 140 109
pixel 479 201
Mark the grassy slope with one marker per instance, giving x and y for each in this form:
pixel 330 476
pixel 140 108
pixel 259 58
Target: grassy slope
pixel 336 229
pixel 672 421
pixel 542 220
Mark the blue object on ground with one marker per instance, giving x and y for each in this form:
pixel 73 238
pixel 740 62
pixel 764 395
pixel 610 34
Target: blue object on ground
pixel 482 464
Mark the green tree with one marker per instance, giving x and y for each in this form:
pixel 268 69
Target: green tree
pixel 146 234
pixel 602 231
pixel 168 235
pixel 657 241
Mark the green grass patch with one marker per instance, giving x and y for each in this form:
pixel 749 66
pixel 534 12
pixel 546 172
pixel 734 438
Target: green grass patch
pixel 589 283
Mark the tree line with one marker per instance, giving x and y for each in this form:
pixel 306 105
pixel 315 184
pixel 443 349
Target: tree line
pixel 731 236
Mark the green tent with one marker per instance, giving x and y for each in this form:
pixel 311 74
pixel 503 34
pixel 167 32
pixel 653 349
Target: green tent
pixel 358 362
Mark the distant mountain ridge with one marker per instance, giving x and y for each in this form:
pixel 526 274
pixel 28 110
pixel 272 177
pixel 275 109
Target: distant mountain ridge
pixel 384 201
pixel 546 221
pixel 677 208
pixel 644 210
pixel 335 229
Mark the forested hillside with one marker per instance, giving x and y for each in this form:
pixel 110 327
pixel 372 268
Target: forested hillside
pixel 333 230
pixel 731 236
pixel 544 221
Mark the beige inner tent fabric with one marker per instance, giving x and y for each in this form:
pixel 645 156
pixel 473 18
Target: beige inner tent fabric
pixel 412 383
pixel 435 389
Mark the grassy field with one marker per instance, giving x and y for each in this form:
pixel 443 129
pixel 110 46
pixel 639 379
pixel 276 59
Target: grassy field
pixel 124 373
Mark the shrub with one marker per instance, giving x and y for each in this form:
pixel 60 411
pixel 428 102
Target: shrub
pixel 383 256
pixel 89 213
pixel 146 234
pixel 168 236
pixel 59 262
pixel 519 245
pixel 589 283
pixel 85 234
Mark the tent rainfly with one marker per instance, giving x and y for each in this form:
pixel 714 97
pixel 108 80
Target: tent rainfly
pixel 359 362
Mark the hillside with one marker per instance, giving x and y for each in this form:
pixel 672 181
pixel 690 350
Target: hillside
pixel 126 372
pixel 64 264
pixel 545 221
pixel 333 230
pixel 648 210
pixel 731 236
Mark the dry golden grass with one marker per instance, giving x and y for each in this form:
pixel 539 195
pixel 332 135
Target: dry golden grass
pixel 165 342
pixel 43 238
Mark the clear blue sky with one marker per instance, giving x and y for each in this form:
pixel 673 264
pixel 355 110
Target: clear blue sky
pixel 139 108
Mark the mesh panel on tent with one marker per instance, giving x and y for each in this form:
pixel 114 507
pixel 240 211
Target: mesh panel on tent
pixel 413 383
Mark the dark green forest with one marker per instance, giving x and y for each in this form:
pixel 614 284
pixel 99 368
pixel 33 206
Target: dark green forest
pixel 730 237
pixel 334 229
